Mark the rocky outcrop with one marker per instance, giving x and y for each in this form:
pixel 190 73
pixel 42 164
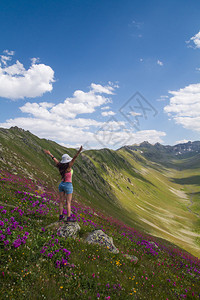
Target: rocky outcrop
pixel 69 230
pixel 95 237
pixel 101 238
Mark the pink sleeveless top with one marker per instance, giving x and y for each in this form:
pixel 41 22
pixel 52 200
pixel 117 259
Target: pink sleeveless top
pixel 68 176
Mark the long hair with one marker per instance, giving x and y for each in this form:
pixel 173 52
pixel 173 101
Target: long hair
pixel 62 169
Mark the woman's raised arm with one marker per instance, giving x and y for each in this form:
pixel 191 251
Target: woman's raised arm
pixel 75 156
pixel 49 153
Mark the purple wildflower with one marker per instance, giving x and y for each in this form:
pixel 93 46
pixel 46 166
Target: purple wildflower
pixel 50 255
pixel 2 237
pixel 17 243
pixel 1 223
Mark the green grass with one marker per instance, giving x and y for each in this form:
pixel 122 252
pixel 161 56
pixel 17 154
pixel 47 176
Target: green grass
pixel 146 194
pixel 92 272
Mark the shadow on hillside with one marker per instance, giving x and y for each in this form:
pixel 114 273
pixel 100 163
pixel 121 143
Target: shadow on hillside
pixel 195 194
pixel 188 180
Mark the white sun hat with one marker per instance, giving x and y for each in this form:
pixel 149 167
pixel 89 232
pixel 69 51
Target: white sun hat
pixel 65 159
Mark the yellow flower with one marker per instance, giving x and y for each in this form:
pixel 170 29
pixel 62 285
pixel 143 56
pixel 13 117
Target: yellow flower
pixel 61 287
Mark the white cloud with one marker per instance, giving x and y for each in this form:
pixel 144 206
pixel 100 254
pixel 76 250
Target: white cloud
pixel 195 40
pixel 64 131
pixel 184 107
pixel 8 52
pixel 159 62
pixel 5 59
pixel 15 69
pixel 108 113
pixel 134 114
pixel 79 131
pixel 105 107
pixel 83 102
pixel 117 138
pixel 58 122
pixel 163 98
pixel 97 88
pixel 17 83
pixel 151 136
pixel 181 142
pixel 35 60
pixel 38 110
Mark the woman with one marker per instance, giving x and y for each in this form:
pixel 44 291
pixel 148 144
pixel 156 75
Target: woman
pixel 65 187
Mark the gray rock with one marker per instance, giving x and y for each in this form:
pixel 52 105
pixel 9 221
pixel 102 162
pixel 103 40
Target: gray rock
pixel 131 257
pixel 69 230
pixel 99 237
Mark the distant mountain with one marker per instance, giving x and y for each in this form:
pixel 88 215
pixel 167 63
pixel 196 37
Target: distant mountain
pixel 154 188
pixel 166 154
pixel 184 148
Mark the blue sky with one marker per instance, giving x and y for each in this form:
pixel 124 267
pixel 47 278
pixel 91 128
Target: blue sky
pixel 101 73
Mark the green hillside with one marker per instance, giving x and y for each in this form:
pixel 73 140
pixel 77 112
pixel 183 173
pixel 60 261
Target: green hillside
pixel 151 212
pixel 150 189
pixel 36 262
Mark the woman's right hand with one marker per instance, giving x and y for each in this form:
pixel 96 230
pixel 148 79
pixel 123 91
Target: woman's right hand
pixel 47 152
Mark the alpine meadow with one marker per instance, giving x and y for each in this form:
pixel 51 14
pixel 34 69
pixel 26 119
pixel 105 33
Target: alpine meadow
pixel 145 197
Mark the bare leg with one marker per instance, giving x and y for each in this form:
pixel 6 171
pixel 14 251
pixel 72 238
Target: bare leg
pixel 68 202
pixel 61 203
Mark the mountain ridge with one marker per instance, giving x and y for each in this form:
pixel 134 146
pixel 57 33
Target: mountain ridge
pixel 143 187
pixel 177 149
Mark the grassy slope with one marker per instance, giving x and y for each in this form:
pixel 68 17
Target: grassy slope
pixel 123 184
pixel 33 270
pixel 162 206
pixel 152 199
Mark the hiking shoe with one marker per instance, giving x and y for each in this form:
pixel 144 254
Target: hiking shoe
pixel 61 218
pixel 70 219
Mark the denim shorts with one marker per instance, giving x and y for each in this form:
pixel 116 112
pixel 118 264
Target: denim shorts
pixel 66 187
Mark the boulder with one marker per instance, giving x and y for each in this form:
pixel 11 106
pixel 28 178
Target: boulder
pixel 99 237
pixel 69 230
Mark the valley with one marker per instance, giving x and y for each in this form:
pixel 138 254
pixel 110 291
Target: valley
pixel 152 188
